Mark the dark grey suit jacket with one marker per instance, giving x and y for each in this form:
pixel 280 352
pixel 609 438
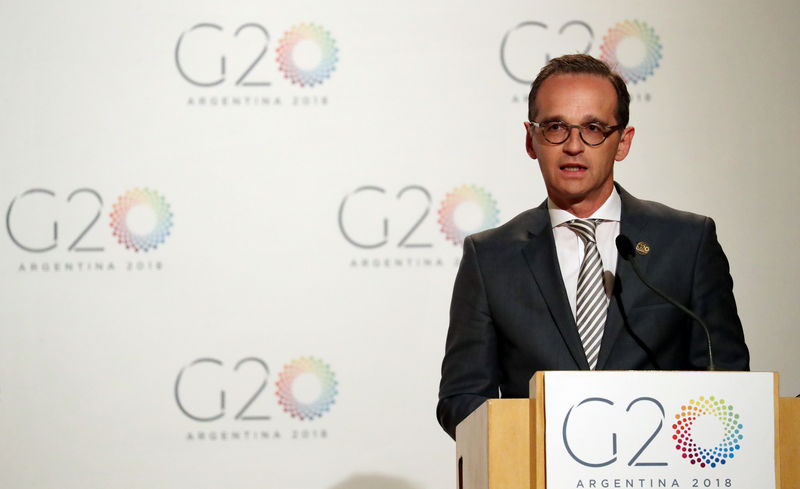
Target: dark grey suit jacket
pixel 510 315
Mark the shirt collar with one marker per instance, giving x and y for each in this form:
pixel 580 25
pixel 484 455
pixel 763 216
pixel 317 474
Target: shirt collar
pixel 611 210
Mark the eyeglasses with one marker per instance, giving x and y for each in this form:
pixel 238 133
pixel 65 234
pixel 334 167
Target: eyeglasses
pixel 592 133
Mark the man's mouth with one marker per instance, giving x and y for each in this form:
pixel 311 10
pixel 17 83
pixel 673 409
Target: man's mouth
pixel 573 167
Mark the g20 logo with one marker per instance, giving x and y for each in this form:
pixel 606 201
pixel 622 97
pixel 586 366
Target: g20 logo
pixel 287 381
pixel 306 55
pixel 465 210
pixel 715 411
pixel 640 67
pixel 128 203
pixel 632 48
pixel 520 38
pixel 141 219
pixel 204 379
pixel 703 451
pixel 610 456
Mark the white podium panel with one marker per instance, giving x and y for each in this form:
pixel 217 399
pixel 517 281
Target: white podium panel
pixel 660 429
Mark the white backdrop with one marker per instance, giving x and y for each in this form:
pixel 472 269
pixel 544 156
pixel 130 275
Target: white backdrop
pixel 291 241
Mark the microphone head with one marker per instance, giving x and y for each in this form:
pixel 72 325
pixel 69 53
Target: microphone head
pixel 625 247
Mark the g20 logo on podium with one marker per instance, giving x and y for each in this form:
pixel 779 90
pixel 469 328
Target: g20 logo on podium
pixel 660 429
pixel 369 215
pixel 707 432
pixel 598 408
pixel 713 411
pixel 209 55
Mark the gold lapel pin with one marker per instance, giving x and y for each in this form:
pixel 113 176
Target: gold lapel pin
pixel 642 248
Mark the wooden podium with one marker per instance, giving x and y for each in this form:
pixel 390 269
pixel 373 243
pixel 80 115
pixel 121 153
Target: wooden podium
pixel 501 445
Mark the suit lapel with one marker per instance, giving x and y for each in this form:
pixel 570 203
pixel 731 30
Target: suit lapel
pixel 632 224
pixel 540 254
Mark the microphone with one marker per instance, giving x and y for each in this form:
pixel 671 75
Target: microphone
pixel 628 253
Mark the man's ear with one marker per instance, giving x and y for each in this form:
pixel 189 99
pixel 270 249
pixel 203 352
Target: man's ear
pixel 624 143
pixel 529 140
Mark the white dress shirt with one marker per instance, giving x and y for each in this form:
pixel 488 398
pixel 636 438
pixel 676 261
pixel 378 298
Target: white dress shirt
pixel 570 247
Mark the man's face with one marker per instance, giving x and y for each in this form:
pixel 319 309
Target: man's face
pixel 578 177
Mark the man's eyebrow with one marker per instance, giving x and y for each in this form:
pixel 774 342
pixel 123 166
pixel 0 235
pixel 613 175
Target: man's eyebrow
pixel 555 118
pixel 590 119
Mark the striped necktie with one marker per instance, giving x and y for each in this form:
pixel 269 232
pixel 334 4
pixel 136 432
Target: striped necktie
pixel 590 300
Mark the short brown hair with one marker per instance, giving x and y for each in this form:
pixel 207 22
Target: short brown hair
pixel 583 63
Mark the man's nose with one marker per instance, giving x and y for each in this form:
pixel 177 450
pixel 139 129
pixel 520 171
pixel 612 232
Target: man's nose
pixel 574 143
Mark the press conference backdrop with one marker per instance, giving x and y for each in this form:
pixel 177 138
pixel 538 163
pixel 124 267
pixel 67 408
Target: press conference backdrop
pixel 231 228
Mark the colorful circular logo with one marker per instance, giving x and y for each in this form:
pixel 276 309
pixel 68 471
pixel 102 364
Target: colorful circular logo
pixel 467 198
pixel 141 241
pixel 724 450
pixel 327 51
pixel 636 71
pixel 327 391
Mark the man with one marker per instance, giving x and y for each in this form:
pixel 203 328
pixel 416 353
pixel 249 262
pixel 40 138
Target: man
pixel 545 291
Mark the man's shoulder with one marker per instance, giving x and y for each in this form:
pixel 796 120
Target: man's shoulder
pixel 653 212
